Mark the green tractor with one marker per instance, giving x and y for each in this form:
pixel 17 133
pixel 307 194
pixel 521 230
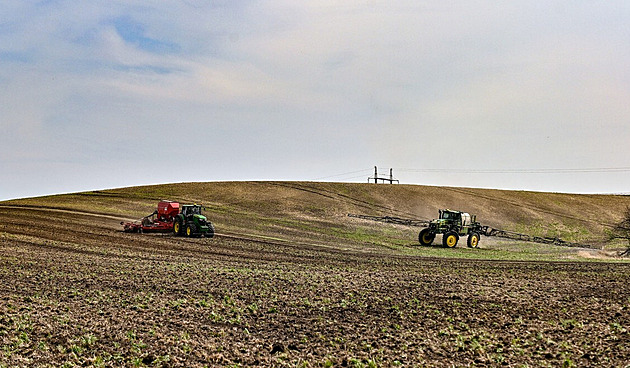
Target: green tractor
pixel 192 223
pixel 452 224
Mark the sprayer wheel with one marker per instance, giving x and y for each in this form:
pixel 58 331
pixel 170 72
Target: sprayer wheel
pixel 473 240
pixel 450 239
pixel 426 237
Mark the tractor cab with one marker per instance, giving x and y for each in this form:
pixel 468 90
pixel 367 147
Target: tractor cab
pixel 191 210
pixel 449 215
pixel 457 218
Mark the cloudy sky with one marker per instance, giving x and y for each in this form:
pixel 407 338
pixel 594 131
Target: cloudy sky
pixel 530 95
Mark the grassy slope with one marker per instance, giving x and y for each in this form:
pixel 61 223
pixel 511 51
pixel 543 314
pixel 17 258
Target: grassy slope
pixel 316 212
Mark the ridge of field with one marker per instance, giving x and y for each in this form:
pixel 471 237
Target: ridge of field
pixel 316 212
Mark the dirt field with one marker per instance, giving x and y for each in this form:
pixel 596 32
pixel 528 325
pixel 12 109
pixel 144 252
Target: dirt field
pixel 76 291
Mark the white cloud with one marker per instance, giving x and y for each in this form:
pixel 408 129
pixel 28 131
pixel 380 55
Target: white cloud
pixel 267 87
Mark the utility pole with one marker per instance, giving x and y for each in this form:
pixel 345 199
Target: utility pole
pixel 383 179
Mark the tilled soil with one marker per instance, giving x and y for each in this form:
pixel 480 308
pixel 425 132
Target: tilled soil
pixel 76 291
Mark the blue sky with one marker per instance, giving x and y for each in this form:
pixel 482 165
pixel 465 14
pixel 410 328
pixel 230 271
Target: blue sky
pixel 516 95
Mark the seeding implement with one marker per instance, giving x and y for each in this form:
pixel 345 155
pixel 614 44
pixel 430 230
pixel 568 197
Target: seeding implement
pixel 453 224
pixel 170 216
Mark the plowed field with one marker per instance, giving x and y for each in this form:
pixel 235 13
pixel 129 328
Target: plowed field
pixel 76 291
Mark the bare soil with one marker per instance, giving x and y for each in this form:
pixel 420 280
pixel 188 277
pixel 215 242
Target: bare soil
pixel 76 291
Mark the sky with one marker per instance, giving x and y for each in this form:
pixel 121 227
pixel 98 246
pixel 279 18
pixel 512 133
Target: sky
pixel 523 95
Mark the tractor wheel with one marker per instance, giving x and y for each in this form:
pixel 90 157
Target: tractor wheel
pixel 177 227
pixel 210 233
pixel 450 239
pixel 191 229
pixel 426 237
pixel 473 240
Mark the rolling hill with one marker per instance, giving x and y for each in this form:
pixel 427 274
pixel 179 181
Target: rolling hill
pixel 317 212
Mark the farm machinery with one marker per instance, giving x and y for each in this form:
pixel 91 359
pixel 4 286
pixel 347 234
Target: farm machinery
pixel 170 216
pixel 453 224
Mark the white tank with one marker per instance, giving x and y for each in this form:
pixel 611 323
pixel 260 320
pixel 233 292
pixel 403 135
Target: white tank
pixel 466 219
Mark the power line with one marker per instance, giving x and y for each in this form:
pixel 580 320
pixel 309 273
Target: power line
pixel 344 174
pixel 353 177
pixel 522 171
